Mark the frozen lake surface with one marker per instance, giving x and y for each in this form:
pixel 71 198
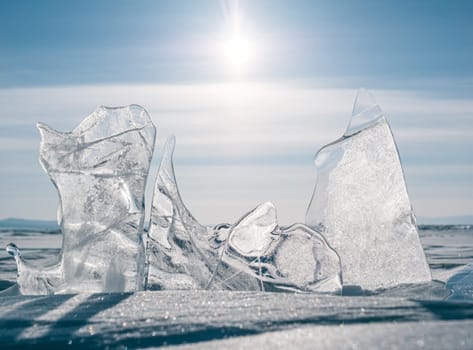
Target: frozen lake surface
pixel 409 317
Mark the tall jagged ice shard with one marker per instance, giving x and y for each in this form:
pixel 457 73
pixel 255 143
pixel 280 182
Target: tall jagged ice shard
pixel 182 253
pixel 254 254
pixel 100 171
pixel 360 203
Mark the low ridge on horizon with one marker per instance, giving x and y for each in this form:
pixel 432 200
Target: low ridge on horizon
pixel 447 220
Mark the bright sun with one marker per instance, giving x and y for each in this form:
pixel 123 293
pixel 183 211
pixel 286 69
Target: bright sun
pixel 237 50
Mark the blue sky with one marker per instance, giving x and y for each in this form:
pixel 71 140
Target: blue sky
pixel 248 135
pixel 380 43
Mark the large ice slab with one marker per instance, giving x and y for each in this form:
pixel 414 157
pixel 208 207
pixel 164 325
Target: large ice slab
pixel 100 171
pixel 361 205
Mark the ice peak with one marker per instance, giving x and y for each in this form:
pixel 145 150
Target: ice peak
pixel 364 100
pixel 166 160
pixel 365 112
pixel 48 134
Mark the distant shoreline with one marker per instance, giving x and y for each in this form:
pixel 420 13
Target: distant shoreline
pixel 49 226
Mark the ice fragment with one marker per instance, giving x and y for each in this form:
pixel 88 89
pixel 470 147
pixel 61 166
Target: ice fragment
pixel 295 258
pixel 461 284
pixel 100 171
pixel 361 204
pixel 182 253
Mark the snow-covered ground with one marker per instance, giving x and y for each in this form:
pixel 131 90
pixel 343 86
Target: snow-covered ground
pixel 205 319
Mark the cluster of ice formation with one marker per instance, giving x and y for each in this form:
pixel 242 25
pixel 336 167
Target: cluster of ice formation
pixel 359 222
pixel 181 253
pixel 361 205
pixel 253 254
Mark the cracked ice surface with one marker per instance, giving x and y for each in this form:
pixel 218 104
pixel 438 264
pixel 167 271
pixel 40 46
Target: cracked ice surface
pixel 361 204
pixel 100 171
pixel 254 254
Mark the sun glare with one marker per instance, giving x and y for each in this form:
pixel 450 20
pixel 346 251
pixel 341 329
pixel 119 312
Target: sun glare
pixel 237 50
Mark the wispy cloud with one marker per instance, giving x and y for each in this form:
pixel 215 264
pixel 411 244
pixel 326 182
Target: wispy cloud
pixel 240 144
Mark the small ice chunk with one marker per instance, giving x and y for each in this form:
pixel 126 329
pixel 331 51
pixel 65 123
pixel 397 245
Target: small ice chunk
pixel 100 171
pixel 296 258
pixel 461 284
pixel 252 235
pixel 182 253
pixel 32 279
pixel 361 204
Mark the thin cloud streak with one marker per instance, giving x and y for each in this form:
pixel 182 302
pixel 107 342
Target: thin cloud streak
pixel 240 144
